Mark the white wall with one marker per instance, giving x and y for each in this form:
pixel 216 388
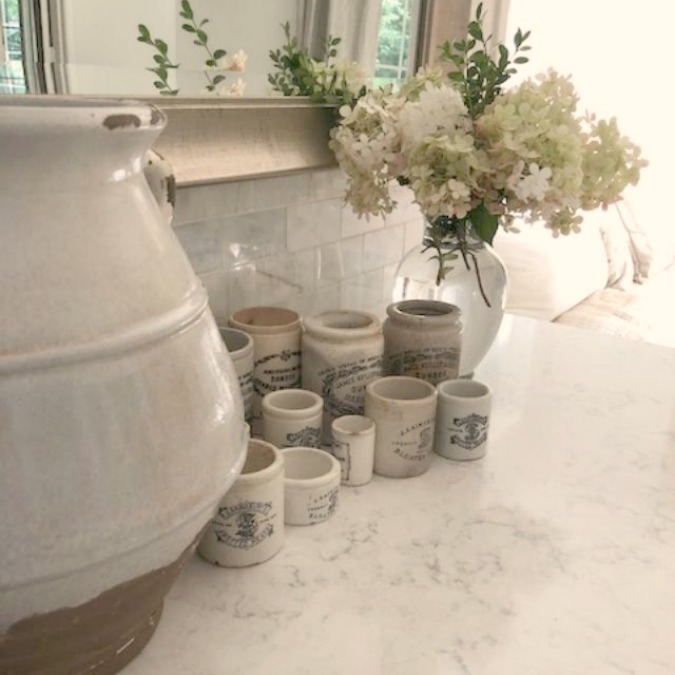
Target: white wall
pixel 100 32
pixel 251 25
pixel 619 55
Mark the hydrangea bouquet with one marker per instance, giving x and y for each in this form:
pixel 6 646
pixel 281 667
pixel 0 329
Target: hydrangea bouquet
pixel 476 154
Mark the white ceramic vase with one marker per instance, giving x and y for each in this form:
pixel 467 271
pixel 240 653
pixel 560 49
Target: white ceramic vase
pixel 121 420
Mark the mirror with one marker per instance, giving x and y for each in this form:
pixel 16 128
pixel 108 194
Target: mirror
pixel 214 139
pixel 90 47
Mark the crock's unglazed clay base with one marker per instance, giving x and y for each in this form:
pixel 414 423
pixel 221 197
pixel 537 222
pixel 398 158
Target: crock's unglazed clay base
pixel 99 637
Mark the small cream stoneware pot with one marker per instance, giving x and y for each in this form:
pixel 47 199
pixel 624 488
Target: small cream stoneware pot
pixel 292 417
pixel 423 339
pixel 248 527
pixel 341 352
pixel 354 447
pixel 463 419
pixel 404 412
pixel 277 335
pixel 240 347
pixel 311 485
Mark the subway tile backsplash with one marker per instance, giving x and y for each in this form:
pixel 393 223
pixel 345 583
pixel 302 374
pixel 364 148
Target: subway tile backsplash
pixel 291 241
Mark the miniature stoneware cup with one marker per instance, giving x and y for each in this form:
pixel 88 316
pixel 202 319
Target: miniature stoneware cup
pixel 249 525
pixel 404 410
pixel 277 336
pixel 311 484
pixel 292 417
pixel 463 419
pixel 354 447
pixel 240 347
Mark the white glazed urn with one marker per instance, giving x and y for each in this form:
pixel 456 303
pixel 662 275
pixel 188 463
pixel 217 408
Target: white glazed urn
pixel 121 420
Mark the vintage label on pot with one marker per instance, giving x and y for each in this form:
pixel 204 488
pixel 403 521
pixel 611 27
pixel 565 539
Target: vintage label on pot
pixel 323 505
pixel 307 437
pixel 343 386
pixel 246 386
pixel 341 452
pixel 469 432
pixel 433 364
pixel 244 525
pixel 413 443
pixel 277 371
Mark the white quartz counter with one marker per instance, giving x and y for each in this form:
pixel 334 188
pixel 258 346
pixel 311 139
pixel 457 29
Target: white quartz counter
pixel 555 554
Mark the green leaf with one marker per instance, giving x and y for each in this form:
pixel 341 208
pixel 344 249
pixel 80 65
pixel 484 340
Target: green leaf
pixel 219 53
pixel 202 36
pixel 158 58
pixel 218 78
pixel 484 223
pixel 475 31
pixel 143 31
pixel 162 47
pixel 186 8
pixel 188 28
pixel 521 59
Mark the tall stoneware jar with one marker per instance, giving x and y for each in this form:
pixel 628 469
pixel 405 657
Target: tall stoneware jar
pixel 423 339
pixel 121 420
pixel 276 334
pixel 342 351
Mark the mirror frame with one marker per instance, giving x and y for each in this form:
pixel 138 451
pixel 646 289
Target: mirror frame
pixel 226 140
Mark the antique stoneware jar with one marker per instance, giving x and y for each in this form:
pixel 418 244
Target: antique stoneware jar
pixel 423 339
pixel 121 420
pixel 342 352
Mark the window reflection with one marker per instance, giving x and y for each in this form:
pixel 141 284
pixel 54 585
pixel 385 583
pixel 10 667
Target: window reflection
pixel 12 78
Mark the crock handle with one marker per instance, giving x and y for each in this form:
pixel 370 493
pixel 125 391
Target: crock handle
pixel 159 175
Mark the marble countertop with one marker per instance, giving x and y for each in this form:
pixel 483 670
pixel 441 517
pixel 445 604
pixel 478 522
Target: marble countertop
pixel 555 554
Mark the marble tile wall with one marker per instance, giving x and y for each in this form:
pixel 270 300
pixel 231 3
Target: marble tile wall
pixel 290 241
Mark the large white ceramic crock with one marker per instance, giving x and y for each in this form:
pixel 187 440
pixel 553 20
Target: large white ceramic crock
pixel 121 420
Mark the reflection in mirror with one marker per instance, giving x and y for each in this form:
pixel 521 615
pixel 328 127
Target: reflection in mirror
pixel 90 46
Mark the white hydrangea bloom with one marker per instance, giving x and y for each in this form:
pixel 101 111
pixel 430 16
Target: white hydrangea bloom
pixel 236 63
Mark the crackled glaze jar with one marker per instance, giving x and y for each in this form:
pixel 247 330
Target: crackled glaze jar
pixel 121 420
pixel 342 351
pixel 423 338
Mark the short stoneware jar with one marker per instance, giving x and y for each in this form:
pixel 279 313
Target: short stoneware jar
pixel 423 339
pixel 342 351
pixel 248 527
pixel 311 484
pixel 240 347
pixel 277 334
pixel 292 417
pixel 463 419
pixel 404 412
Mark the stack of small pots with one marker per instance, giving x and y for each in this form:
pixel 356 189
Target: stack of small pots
pixel 330 400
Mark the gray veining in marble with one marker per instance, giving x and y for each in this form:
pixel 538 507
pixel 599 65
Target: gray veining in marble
pixel 554 555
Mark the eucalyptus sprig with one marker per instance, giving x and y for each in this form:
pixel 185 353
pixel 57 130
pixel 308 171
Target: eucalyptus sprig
pixel 294 65
pixel 477 74
pixel 201 39
pixel 322 80
pixel 161 58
